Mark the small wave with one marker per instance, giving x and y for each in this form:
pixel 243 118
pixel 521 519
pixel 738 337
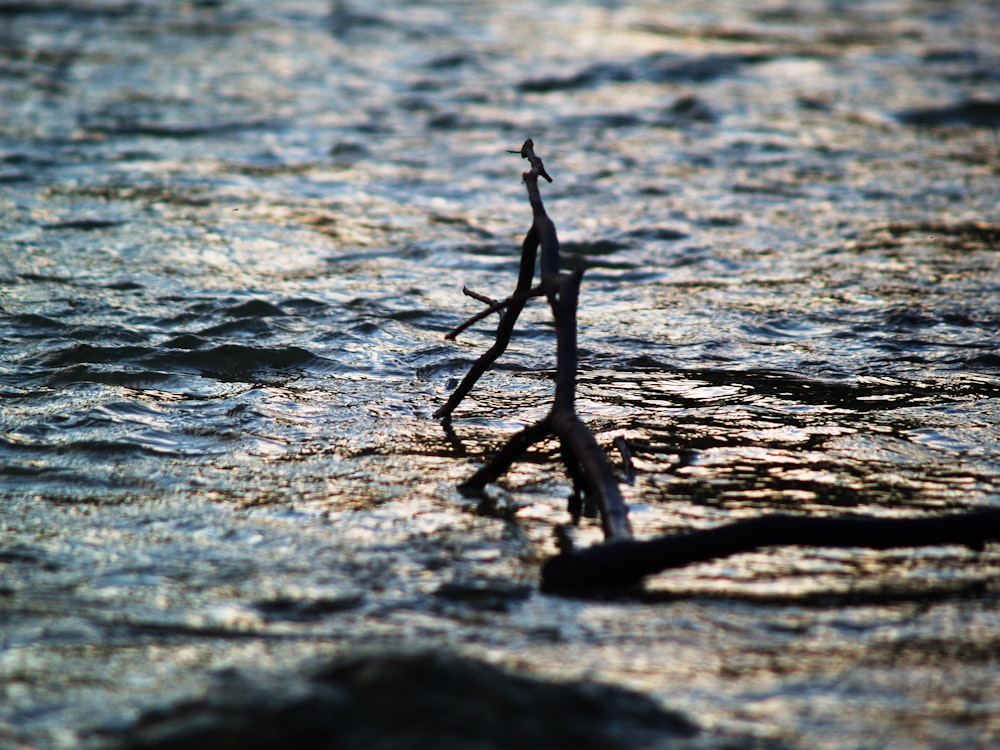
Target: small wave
pixel 657 68
pixel 186 341
pixel 47 278
pixel 658 233
pixel 80 354
pixel 127 127
pixel 237 362
pixel 785 329
pixel 85 225
pixel 125 285
pixel 79 11
pixel 305 305
pixel 228 362
pixel 242 326
pixel 81 373
pixel 103 448
pixel 255 308
pixel 38 322
pixel 975 113
pixel 988 361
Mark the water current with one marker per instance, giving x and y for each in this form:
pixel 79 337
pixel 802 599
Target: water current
pixel 235 233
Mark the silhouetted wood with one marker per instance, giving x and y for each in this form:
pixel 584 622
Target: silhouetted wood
pixel 620 560
pixel 492 306
pixel 623 563
pixel 502 461
pixel 511 311
pixel 585 461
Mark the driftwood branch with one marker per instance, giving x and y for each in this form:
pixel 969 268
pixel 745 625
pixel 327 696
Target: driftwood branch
pixel 585 462
pixel 621 560
pixel 628 562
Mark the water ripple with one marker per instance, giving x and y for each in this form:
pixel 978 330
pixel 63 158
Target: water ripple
pixel 235 235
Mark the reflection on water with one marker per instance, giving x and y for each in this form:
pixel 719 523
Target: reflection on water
pixel 235 234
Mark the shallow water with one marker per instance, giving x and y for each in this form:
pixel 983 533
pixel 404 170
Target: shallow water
pixel 235 234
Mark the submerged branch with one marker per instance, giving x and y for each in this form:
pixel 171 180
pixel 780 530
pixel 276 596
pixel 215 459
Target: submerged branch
pixel 620 560
pixel 585 461
pixel 628 562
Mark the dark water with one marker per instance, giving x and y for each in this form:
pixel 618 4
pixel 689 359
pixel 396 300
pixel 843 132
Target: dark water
pixel 235 233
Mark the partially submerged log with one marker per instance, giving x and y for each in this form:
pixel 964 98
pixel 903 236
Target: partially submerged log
pixel 625 563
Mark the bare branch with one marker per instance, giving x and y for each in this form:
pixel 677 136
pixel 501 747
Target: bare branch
pixel 585 461
pixel 628 562
pixel 620 560
pixel 528 152
pixel 479 297
pixel 494 306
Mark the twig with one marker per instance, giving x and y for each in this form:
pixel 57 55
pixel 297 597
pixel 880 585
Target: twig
pixel 628 468
pixel 479 297
pixel 494 306
pixel 527 151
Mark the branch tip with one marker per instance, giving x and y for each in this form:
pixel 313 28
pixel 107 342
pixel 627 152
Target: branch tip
pixel 528 152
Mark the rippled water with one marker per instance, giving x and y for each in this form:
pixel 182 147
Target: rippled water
pixel 235 233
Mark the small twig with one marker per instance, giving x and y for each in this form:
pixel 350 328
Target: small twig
pixel 479 297
pixel 494 306
pixel 527 151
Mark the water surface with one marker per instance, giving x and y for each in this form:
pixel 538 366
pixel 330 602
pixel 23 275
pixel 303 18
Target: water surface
pixel 235 233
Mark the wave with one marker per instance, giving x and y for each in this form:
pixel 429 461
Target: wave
pixel 228 362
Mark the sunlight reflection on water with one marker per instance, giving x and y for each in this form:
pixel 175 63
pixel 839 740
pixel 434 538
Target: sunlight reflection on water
pixel 237 234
